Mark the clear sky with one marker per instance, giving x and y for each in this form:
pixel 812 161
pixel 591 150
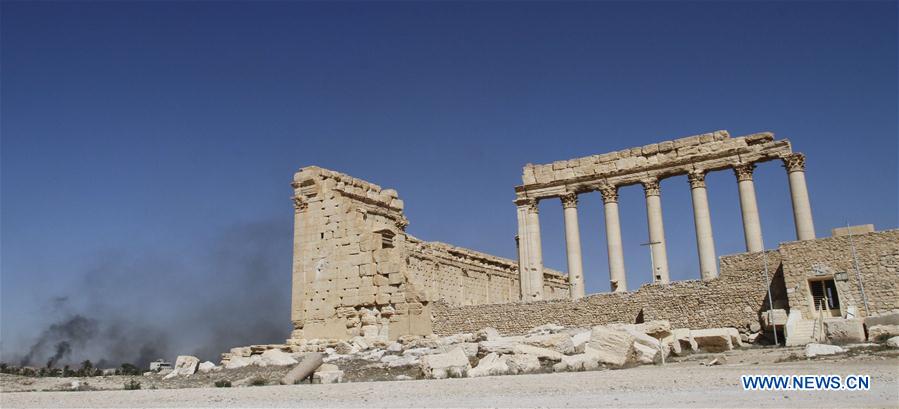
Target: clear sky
pixel 147 148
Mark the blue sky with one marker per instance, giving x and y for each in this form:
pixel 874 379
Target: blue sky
pixel 147 148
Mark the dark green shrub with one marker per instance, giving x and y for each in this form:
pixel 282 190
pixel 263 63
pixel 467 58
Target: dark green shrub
pixel 224 383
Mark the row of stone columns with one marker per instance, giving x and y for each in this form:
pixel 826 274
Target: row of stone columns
pixel 530 252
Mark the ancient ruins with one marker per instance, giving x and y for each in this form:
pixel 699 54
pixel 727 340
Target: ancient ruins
pixel 357 273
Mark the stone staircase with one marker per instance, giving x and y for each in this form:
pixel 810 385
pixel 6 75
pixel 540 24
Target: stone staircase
pixel 801 333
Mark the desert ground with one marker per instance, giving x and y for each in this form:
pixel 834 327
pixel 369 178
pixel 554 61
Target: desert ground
pixel 682 383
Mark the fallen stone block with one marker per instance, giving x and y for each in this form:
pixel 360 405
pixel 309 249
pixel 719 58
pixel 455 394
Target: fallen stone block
pixel 504 345
pixel 546 329
pixel 539 352
pixel 456 339
pixel 646 355
pixel 327 373
pixel 207 367
pixel 890 318
pixel 276 357
pixel 880 332
pixel 560 342
pixel 612 347
pixel 842 331
pixel 453 364
pixel 713 339
pixel 813 350
pixel 580 339
pixel 655 328
pixel 396 361
pixel 487 334
pixel 490 365
pixel 185 365
pixel 893 342
pixel 470 348
pixel 586 361
pixel 684 337
pixel 522 363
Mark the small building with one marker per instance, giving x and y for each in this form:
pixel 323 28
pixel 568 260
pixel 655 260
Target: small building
pixel 159 365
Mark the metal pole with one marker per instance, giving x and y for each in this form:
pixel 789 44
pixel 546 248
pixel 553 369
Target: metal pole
pixel 770 299
pixel 652 261
pixel 858 273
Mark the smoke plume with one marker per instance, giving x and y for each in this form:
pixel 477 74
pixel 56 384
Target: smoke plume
pixel 136 309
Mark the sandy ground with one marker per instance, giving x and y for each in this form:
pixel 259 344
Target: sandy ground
pixel 683 384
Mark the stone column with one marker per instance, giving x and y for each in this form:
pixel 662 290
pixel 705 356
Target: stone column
pixel 536 252
pixel 617 276
pixel 573 246
pixel 524 256
pixel 656 232
pixel 752 227
pixel 298 277
pixel 802 208
pixel 705 242
pixel 530 251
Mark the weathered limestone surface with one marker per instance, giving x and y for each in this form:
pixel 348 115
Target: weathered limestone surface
pixel 734 299
pixel 357 273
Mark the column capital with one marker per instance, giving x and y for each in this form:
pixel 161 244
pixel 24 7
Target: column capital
pixel 697 179
pixel 743 171
pixel 794 162
pixel 299 203
pixel 609 193
pixel 651 187
pixel 529 203
pixel 569 200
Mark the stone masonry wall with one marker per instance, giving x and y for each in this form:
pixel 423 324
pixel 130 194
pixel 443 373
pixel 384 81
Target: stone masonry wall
pixel 878 259
pixel 734 299
pixel 465 277
pixel 357 273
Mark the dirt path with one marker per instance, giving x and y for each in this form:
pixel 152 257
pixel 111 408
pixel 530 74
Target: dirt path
pixel 683 385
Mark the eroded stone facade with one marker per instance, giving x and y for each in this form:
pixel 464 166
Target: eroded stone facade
pixel 356 272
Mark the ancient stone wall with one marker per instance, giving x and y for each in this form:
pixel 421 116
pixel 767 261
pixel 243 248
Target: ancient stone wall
pixel 461 276
pixel 357 273
pixel 734 299
pixel 831 258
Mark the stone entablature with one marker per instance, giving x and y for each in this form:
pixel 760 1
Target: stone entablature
pixel 357 273
pixel 706 152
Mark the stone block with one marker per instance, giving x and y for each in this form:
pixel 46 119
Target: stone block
pixel 395 278
pixel 490 365
pixel 813 350
pixel 843 331
pixel 184 365
pixel 539 352
pixel 890 318
pixel 453 364
pixel 612 347
pixel 558 342
pixel 713 339
pixel 522 363
pixel 879 332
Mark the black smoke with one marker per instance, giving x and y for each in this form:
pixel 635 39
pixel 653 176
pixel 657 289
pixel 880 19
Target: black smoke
pixel 233 291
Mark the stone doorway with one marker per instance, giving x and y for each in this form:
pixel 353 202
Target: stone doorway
pixel 824 296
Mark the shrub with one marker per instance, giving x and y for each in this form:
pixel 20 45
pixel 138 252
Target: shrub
pixel 258 381
pixel 224 383
pixel 132 385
